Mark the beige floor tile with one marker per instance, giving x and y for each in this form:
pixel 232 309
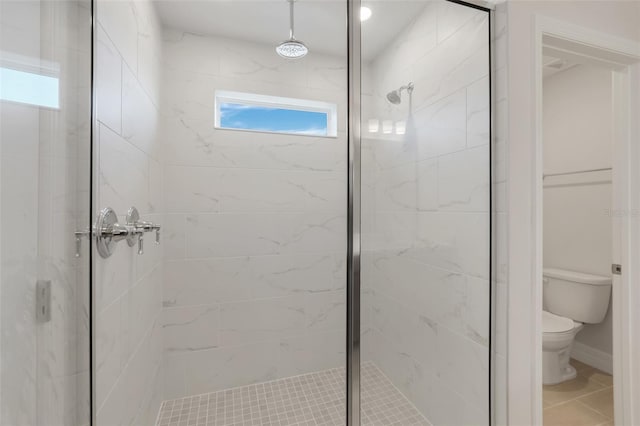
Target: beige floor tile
pixel 598 376
pixel 572 413
pixel 601 401
pixel 572 389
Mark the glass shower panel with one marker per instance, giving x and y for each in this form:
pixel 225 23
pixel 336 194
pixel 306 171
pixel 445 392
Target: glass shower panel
pixel 238 315
pixel 425 296
pixel 45 139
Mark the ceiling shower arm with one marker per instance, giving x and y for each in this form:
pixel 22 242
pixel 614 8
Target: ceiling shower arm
pixel 291 22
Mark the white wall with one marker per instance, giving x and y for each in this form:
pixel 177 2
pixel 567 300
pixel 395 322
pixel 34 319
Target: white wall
pixel 578 131
pixel 128 285
pixel 256 222
pixel 425 264
pixel 516 118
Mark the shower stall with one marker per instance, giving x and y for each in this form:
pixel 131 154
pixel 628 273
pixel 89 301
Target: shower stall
pixel 203 224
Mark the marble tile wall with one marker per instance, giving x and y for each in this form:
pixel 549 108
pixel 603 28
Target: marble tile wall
pixel 44 167
pixel 427 210
pixel 129 286
pixel 255 222
pixel 19 150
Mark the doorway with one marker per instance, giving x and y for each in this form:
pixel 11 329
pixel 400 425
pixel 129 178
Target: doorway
pixel 566 42
pixel 577 241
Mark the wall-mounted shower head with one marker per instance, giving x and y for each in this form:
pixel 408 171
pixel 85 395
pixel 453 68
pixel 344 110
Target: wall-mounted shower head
pixel 395 96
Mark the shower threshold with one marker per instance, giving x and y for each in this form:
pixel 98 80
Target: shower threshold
pixel 309 399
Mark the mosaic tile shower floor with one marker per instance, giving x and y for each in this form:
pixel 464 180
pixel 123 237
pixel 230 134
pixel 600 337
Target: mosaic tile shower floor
pixel 310 399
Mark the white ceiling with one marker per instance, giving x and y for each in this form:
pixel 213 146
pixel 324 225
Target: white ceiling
pixel 320 24
pixel 552 65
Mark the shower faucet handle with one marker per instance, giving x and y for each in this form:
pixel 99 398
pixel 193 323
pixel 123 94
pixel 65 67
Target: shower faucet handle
pixel 140 243
pixel 140 227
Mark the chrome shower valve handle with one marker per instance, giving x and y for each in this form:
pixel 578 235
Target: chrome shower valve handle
pixel 140 227
pixel 108 232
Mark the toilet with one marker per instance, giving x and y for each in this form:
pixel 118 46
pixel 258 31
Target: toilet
pixel 570 299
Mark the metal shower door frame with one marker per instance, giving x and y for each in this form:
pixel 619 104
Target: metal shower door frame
pixel 354 231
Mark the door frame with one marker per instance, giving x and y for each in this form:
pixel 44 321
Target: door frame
pixel 623 57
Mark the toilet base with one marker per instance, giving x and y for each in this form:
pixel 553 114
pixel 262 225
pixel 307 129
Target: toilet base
pixel 556 368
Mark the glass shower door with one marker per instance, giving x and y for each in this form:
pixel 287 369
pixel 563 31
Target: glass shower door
pixel 45 111
pixel 425 285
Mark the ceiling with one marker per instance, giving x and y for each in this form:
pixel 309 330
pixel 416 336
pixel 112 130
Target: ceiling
pixel 320 24
pixel 552 65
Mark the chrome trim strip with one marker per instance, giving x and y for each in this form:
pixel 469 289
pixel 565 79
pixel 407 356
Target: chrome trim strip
pixel 353 214
pixel 93 209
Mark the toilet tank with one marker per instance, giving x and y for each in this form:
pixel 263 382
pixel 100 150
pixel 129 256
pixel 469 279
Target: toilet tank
pixel 576 295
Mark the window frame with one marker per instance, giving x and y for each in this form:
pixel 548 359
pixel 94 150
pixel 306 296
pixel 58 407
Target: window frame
pixel 36 67
pixel 277 102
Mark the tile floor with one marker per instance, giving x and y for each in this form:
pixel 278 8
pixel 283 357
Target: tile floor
pixel 309 399
pixel 586 400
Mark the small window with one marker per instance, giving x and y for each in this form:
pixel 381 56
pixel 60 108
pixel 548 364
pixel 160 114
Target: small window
pixel 29 88
pixel 273 114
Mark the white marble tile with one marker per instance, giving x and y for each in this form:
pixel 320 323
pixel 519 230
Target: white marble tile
pixel 216 369
pixel 477 312
pixel 412 335
pixel 454 241
pixel 199 144
pixel 418 38
pixel 112 411
pixel 412 187
pixel 312 352
pixel 326 311
pixel 173 372
pixel 204 189
pixel 149 49
pixel 254 62
pixel 463 180
pixel 183 51
pixel 109 350
pixel 156 188
pixel 108 82
pixel 114 276
pixel 191 282
pixel 190 328
pixel 143 305
pixel 478 113
pixel 139 116
pixel 439 295
pixel 124 173
pixel 118 18
pixel 173 236
pixel 261 320
pixel 260 234
pixel 463 365
pixel 442 127
pixel 454 64
pixel 451 17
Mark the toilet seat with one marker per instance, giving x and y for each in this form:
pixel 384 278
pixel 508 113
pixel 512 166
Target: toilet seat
pixel 552 323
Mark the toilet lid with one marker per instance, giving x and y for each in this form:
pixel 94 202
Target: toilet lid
pixel 555 324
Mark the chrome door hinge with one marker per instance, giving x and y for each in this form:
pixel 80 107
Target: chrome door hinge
pixel 616 269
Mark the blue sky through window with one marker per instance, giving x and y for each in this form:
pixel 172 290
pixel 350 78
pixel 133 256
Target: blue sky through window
pixel 29 88
pixel 267 119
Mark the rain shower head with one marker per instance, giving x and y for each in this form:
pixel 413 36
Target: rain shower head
pixel 395 96
pixel 292 48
